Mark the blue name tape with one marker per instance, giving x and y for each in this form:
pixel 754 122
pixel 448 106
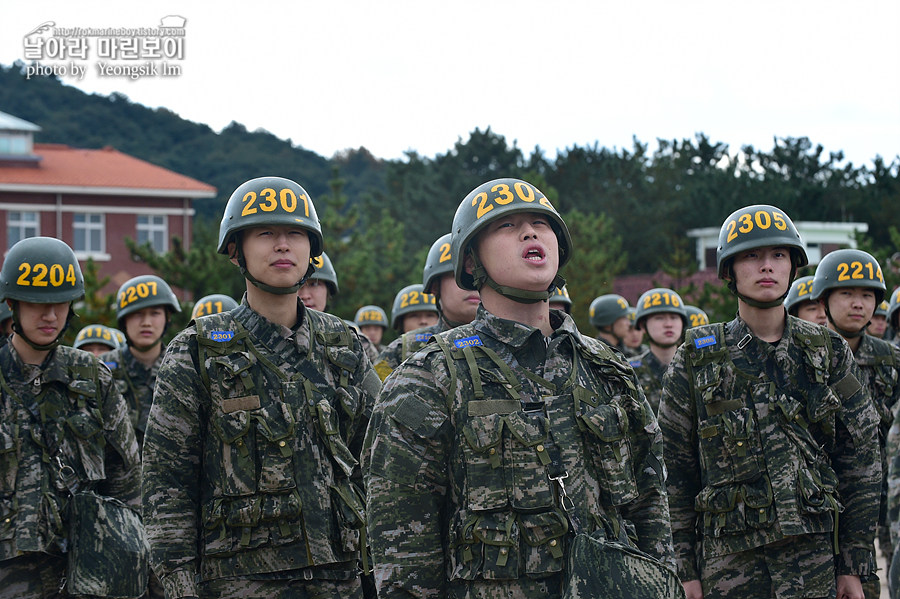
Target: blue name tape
pixel 468 342
pixel 423 336
pixel 112 365
pixel 634 363
pixel 704 341
pixel 221 335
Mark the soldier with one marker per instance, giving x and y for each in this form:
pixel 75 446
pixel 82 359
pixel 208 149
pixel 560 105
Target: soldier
pixel 454 304
pixel 5 323
pixel 799 302
pixel 769 435
pixel 413 309
pixel 372 322
pixel 633 343
pixel 144 308
pixel 660 312
pixel 96 339
pixel 849 303
pixel 560 300
pixel 695 316
pixel 64 429
pixel 474 434
pixel 213 304
pixel 251 455
pixel 878 326
pixel 893 316
pixel 609 315
pixel 321 286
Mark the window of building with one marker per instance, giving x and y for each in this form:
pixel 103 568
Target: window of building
pixel 20 225
pixel 90 233
pixel 153 230
pixel 15 143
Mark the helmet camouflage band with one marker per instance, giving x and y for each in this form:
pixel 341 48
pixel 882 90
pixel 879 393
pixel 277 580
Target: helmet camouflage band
pixel 411 299
pixel 438 263
pixel 607 309
pixel 848 268
pixel 369 316
pixel 270 201
pixel 756 227
pixel 142 292
pixel 696 317
pixel 660 300
pixel 325 272
pixel 801 291
pixel 491 201
pixel 213 304
pixel 41 270
pixel 96 333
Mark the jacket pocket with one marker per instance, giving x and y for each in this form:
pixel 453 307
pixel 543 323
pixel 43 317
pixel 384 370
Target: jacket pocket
pixel 90 444
pixel 499 537
pixel 529 487
pixel 238 453
pixel 613 458
pixel 9 461
pixel 544 535
pixel 483 454
pixel 719 511
pixel 275 424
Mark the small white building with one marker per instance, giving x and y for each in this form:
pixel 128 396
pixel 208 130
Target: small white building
pixel 820 238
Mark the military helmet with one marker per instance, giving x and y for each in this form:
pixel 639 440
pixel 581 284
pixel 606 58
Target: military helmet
pixel 410 299
pixel 41 270
pixel 370 315
pixel 800 291
pixel 120 337
pixel 438 263
pixel 882 309
pixel 660 300
pixel 848 268
pixel 496 199
pixel 96 333
pixel 144 291
pixel 213 304
pixel 755 227
pixel 325 272
pixel 607 309
pixel 270 201
pixel 561 296
pixel 894 308
pixel 695 316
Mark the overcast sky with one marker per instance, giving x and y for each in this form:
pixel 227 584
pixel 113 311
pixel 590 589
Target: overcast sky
pixel 418 75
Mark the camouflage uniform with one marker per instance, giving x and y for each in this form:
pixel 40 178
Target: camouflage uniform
pixel 764 443
pixel 463 439
pixel 649 371
pixel 406 345
pixel 135 382
pixel 250 451
pixel 65 412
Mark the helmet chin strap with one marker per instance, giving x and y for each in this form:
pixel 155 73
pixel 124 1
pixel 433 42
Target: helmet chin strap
pixel 242 263
pixel 17 328
pixel 523 296
pixel 658 344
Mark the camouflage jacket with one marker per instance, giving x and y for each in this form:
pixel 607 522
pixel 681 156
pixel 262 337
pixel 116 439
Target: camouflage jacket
pixel 406 345
pixel 465 436
pixel 62 416
pixel 251 447
pixel 135 381
pixel 766 441
pixel 649 371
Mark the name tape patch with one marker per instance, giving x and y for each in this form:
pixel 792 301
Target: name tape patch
pixel 468 342
pixel 705 341
pixel 634 363
pixel 423 336
pixel 221 336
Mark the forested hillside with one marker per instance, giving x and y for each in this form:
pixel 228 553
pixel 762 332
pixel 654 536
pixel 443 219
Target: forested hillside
pixel 628 207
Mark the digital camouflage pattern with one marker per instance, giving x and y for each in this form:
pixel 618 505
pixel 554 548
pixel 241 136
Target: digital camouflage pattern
pixel 135 381
pixel 462 443
pixel 767 443
pixel 406 345
pixel 60 422
pixel 649 371
pixel 252 475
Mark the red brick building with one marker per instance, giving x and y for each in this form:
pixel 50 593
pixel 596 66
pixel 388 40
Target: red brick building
pixel 91 199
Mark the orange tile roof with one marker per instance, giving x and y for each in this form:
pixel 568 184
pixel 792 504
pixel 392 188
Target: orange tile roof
pixel 62 166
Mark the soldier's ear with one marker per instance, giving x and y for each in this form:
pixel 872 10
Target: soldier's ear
pixel 468 263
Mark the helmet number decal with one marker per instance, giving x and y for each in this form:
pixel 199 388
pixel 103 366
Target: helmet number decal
pixel 659 299
pixel 135 292
pixel 206 308
pixel 854 271
pixel 761 219
pixel 37 275
pixel 804 288
pixel 97 332
pixel 445 253
pixel 412 299
pixel 504 196
pixel 269 201
pixel 698 320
